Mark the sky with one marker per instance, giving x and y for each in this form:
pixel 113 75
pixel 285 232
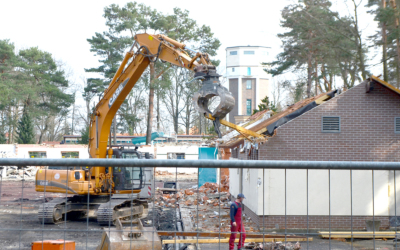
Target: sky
pixel 62 27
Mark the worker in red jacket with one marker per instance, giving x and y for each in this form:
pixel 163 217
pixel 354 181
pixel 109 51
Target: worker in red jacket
pixel 236 223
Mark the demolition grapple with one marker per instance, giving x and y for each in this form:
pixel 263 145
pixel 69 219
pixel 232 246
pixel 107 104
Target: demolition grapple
pixel 211 87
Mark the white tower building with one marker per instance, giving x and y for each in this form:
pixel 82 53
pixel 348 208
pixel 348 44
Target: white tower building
pixel 248 81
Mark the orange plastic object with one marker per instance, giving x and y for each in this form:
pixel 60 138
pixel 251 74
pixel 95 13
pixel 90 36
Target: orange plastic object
pixel 53 245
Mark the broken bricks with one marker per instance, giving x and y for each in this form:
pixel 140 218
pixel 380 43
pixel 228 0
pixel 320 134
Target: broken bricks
pixel 189 192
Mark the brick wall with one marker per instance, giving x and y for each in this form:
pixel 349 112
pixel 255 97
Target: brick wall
pixel 367 134
pixel 320 222
pixel 367 130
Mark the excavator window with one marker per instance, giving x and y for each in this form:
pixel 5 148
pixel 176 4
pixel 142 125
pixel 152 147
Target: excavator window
pixel 127 178
pixel 129 155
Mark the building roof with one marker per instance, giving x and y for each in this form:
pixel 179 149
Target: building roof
pixel 268 126
pixel 248 46
pixel 387 85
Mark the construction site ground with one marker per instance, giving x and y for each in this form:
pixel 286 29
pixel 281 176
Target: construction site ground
pixel 19 225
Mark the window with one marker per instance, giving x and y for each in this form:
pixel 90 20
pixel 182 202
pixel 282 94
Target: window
pixel 67 141
pixel 248 105
pixel 70 155
pixel 233 53
pixel 248 71
pixel 248 84
pixel 331 124
pixel 397 125
pixel 233 69
pixel 178 156
pixel 235 153
pixel 37 155
pixel 249 52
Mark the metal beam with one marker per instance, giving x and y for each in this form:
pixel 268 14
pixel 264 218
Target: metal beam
pixel 205 241
pixel 236 127
pixel 95 162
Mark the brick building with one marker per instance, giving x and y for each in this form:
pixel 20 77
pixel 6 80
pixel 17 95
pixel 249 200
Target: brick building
pixel 361 124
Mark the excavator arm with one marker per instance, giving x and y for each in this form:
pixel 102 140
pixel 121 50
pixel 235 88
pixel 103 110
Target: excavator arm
pixel 150 48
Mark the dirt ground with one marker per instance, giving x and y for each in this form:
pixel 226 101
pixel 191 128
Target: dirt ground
pixel 19 225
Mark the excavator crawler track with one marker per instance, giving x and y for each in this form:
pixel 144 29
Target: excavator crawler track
pixel 52 212
pixel 121 209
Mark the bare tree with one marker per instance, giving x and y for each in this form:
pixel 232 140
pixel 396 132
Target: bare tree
pixel 174 96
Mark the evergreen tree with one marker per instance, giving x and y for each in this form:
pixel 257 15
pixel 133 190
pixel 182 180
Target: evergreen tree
pixel 323 43
pixel 3 139
pixel 25 132
pixel 123 23
pixel 265 105
pixel 84 136
pixel 387 15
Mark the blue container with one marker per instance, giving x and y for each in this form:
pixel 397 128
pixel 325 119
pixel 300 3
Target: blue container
pixel 207 174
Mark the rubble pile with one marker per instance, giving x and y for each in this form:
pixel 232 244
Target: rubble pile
pixel 18 173
pixel 209 206
pixel 274 246
pixel 209 194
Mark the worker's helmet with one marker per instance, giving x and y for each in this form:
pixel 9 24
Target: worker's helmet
pixel 241 196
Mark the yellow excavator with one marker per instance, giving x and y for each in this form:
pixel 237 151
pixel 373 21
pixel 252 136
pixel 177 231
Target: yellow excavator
pixel 92 187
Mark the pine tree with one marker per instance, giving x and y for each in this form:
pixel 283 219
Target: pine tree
pixel 265 105
pixel 25 132
pixel 3 139
pixel 84 136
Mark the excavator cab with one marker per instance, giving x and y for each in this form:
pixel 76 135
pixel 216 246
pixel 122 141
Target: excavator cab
pixel 127 178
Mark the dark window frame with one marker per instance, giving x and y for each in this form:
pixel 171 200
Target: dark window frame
pixel 396 124
pixel 247 107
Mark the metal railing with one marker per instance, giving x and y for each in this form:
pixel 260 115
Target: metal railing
pixel 67 229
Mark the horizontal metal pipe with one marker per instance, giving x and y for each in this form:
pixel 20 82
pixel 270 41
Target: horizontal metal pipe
pixel 100 230
pixel 355 165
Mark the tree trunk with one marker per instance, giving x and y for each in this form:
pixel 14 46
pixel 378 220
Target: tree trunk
pixel 316 78
pixel 151 105
pixel 309 75
pixel 359 43
pixel 394 6
pixel 187 119
pixel 384 48
pixel 42 132
pixel 73 116
pixel 10 130
pixel 158 109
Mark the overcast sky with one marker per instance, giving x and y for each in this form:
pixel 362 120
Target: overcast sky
pixel 62 27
